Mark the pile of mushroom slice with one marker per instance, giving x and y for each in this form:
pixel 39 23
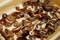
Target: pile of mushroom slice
pixel 37 20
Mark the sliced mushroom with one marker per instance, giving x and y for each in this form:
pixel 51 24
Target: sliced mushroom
pixel 17 24
pixel 37 33
pixel 29 28
pixel 16 15
pixel 21 10
pixel 58 15
pixel 10 18
pixel 24 22
pixel 9 33
pixel 16 29
pixel 32 38
pixel 57 24
pixel 3 21
pixel 19 34
pixel 3 34
pixel 47 7
pixel 6 34
pixel 8 24
pixel 25 33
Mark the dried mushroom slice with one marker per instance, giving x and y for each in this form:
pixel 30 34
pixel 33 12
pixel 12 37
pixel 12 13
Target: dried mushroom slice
pixel 47 7
pixel 19 34
pixel 16 15
pixel 3 34
pixel 3 21
pixel 58 15
pixel 16 29
pixel 8 24
pixel 9 33
pixel 22 10
pixel 17 24
pixel 10 18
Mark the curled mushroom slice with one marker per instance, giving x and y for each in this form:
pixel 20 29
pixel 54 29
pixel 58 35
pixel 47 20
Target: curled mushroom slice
pixel 44 15
pixel 29 28
pixel 32 38
pixel 3 34
pixel 25 33
pixel 50 30
pixel 55 9
pixel 37 33
pixel 10 18
pixel 58 15
pixel 57 24
pixel 47 7
pixel 6 34
pixel 22 33
pixel 3 21
pixel 9 33
pixel 16 24
pixel 16 15
pixel 8 24
pixel 19 34
pixel 24 22
pixel 21 10
pixel 16 29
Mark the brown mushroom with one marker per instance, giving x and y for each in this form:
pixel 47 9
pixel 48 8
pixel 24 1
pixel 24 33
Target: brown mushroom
pixel 37 33
pixel 3 21
pixel 9 33
pixel 47 7
pixel 58 15
pixel 8 24
pixel 16 29
pixel 16 15
pixel 17 24
pixel 21 10
pixel 19 34
pixel 10 18
pixel 3 34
